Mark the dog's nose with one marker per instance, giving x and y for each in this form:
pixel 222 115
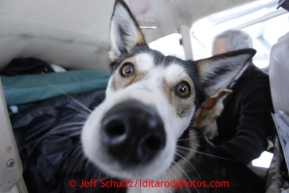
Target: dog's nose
pixel 132 132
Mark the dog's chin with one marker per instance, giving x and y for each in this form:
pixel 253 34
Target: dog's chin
pixel 154 169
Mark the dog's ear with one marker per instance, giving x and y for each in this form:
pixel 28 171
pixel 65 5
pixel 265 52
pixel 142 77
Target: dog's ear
pixel 223 93
pixel 210 103
pixel 125 33
pixel 218 71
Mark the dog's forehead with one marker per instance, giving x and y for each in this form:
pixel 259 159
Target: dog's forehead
pixel 145 62
pixel 172 68
pixel 174 73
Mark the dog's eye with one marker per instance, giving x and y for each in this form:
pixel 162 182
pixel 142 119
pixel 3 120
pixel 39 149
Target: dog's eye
pixel 183 90
pixel 127 69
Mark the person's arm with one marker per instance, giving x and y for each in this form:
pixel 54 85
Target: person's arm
pixel 255 124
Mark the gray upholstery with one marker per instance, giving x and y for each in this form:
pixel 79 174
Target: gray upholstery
pixel 279 78
pixel 274 179
pixel 279 74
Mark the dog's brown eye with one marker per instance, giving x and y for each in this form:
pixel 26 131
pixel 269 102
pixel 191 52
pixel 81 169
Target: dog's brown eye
pixel 127 70
pixel 183 90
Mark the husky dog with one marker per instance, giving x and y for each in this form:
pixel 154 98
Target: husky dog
pixel 143 129
pixel 206 115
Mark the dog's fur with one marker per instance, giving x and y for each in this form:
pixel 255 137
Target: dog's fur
pixel 206 115
pixel 143 128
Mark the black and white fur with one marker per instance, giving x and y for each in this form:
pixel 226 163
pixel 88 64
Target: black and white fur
pixel 143 130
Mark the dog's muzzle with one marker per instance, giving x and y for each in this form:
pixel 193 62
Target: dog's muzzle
pixel 133 133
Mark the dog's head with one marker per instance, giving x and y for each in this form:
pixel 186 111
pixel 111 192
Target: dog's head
pixel 150 101
pixel 206 115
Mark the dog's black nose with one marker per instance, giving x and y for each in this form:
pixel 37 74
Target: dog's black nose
pixel 132 132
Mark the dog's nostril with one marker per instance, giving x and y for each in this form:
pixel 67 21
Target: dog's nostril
pixel 151 144
pixel 114 132
pixel 115 129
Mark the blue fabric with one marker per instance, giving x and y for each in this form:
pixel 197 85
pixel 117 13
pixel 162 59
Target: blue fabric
pixel 22 89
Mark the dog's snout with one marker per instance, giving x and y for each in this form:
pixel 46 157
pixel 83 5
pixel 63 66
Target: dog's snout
pixel 132 132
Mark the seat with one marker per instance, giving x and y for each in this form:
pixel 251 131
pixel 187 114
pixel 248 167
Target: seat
pixel 278 74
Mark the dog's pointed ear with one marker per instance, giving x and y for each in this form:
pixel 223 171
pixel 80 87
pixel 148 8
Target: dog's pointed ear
pixel 223 93
pixel 218 71
pixel 125 33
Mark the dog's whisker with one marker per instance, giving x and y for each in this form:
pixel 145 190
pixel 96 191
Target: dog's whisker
pixel 57 132
pixel 52 132
pixel 77 160
pixel 59 139
pixel 185 175
pixel 74 100
pixel 188 139
pixel 206 154
pixel 181 169
pixel 189 164
pixel 77 133
pixel 83 113
pixel 181 151
pixel 80 154
pixel 175 171
pixel 86 165
pixel 66 125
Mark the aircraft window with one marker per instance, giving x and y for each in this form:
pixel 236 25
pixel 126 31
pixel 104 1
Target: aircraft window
pixel 260 19
pixel 169 45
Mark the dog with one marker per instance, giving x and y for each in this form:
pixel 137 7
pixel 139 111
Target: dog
pixel 143 131
pixel 206 115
